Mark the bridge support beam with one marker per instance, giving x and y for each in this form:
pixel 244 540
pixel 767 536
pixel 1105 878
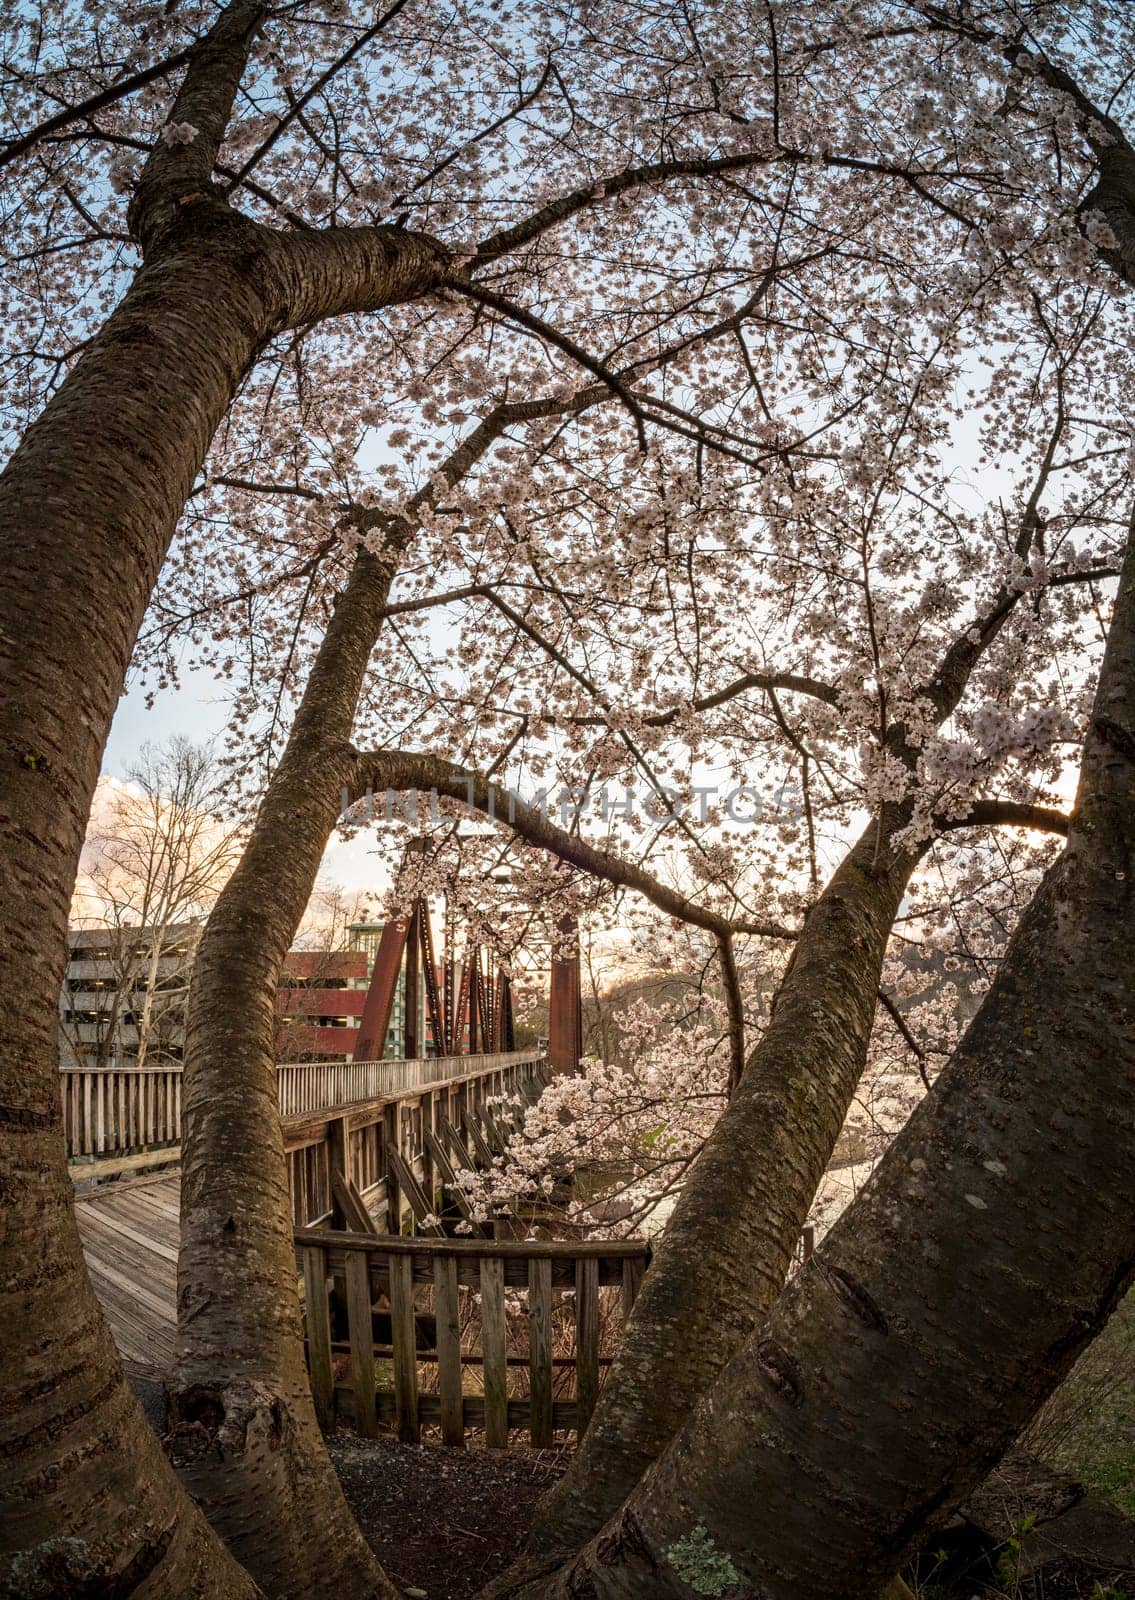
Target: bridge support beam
pixel 565 1010
pixel 371 1042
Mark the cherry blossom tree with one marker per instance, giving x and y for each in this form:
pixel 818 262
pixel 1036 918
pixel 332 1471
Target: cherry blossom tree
pixel 918 1284
pixel 120 420
pixel 943 796
pixel 193 197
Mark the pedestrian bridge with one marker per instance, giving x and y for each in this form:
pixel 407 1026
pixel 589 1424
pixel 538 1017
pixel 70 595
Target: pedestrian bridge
pixel 372 1144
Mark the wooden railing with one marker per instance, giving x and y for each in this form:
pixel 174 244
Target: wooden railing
pixel 480 1334
pixel 313 1085
pixel 398 1153
pixel 115 1110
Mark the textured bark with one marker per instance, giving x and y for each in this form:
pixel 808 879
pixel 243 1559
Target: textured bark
pixel 724 1255
pixel 247 1442
pixel 1113 198
pixel 953 1296
pixel 87 505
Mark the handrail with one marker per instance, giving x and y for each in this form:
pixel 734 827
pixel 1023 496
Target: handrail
pixel 316 1085
pixel 110 1110
pixel 422 1062
pixel 550 1306
pixel 472 1249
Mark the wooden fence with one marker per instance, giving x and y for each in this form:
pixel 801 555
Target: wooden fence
pixel 479 1334
pixel 116 1110
pixel 113 1110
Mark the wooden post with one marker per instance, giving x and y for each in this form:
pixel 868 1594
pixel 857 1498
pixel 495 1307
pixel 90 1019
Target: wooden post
pixel 404 1340
pixel 586 1341
pixel 360 1332
pixel 633 1270
pixel 410 1187
pixel 480 1144
pixel 540 1352
pixel 390 1141
pixel 448 1351
pixel 493 1350
pixel 338 1161
pixel 447 1182
pixel 429 1177
pixel 318 1335
pixel 457 1145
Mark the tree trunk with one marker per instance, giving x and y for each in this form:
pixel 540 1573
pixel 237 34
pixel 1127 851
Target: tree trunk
pixel 726 1250
pixel 1113 198
pixel 145 1017
pixel 88 503
pixel 242 1396
pixel 246 1441
pixel 989 1247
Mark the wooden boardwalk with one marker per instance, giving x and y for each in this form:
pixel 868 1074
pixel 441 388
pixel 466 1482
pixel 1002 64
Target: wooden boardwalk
pixel 383 1147
pixel 129 1232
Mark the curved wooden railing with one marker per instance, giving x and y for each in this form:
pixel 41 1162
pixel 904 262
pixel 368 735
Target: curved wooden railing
pixel 397 1150
pixel 116 1110
pixel 313 1085
pixel 532 1324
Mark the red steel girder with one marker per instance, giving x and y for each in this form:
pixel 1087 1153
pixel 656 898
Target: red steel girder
pixel 371 1041
pixel 565 1009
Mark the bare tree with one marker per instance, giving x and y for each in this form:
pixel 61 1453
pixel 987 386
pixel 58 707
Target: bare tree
pixel 156 856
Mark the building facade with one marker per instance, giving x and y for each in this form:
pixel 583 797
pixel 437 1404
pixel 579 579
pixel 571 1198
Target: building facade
pixel 123 995
pixel 319 1004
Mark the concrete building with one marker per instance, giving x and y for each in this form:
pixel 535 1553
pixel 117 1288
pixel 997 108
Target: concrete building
pixel 320 1004
pixel 120 983
pixel 102 1005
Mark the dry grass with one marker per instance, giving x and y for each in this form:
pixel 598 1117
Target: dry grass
pixel 1088 1426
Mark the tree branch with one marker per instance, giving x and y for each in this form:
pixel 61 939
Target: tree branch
pixel 948 684
pixel 655 172
pixel 794 682
pixel 1007 814
pixel 407 769
pixel 908 1038
pixel 533 324
pixel 24 142
pixel 731 984
pixel 205 100
pixel 297 107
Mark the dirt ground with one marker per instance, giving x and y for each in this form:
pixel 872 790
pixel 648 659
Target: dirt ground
pixel 442 1521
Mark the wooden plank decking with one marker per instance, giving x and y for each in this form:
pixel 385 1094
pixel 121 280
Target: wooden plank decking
pixel 129 1227
pixel 129 1233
